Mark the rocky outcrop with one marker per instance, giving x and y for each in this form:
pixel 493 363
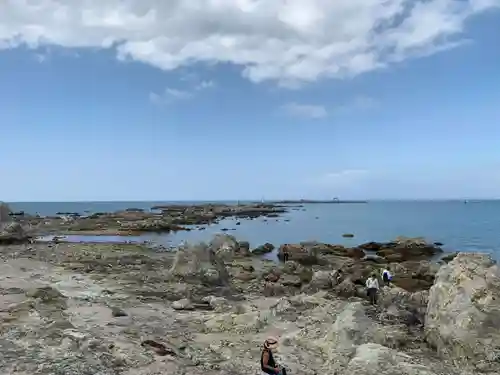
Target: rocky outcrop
pixel 4 213
pixel 225 247
pixel 463 313
pixel 403 249
pixel 199 264
pixel 263 249
pixel 107 309
pixel 414 276
pixel 13 233
pixel 299 253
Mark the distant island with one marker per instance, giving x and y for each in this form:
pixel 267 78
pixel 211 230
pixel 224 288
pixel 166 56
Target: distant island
pixel 311 201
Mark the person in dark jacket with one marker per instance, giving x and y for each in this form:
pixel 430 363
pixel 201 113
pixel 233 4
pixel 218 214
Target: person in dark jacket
pixel 267 363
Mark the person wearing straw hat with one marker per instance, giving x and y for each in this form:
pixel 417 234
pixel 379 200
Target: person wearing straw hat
pixel 267 362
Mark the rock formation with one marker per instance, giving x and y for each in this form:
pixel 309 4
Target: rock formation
pixel 463 314
pixel 4 213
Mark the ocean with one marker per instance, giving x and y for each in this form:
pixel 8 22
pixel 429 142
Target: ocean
pixel 474 226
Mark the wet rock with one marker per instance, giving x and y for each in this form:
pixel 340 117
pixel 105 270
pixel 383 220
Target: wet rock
pixel 146 225
pixel 299 253
pixel 263 249
pixel 355 252
pixel 328 252
pixel 449 257
pixel 404 249
pixel 371 246
pixel 463 313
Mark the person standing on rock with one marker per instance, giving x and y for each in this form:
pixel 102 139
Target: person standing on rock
pixel 267 362
pixel 372 288
pixel 387 277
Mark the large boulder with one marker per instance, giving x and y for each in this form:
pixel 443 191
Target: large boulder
pixel 199 264
pixel 404 249
pixel 299 253
pixel 263 249
pixel 329 250
pixel 463 313
pixel 12 233
pixel 225 246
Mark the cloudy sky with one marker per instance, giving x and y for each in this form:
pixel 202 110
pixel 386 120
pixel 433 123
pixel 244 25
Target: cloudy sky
pixel 243 99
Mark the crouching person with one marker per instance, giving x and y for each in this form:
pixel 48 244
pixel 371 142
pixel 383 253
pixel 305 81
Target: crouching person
pixel 267 362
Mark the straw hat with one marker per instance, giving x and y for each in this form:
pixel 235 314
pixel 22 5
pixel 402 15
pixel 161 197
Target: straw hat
pixel 271 342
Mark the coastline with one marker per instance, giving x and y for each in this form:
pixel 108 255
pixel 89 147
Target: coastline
pixel 452 223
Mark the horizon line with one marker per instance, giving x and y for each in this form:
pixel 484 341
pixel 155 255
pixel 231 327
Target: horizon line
pixel 260 200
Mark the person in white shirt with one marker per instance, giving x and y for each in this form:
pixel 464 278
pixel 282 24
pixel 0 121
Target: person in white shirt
pixel 372 288
pixel 386 276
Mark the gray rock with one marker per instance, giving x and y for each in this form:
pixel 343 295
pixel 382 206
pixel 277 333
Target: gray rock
pixel 225 246
pixel 323 279
pixel 12 232
pixel 4 213
pixel 199 263
pixel 117 312
pixel 183 304
pixel 346 289
pixel 374 359
pixel 463 313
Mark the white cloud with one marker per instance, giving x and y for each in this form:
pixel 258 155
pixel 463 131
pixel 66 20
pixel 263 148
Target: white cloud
pixel 205 85
pixel 289 41
pixel 170 94
pixel 305 110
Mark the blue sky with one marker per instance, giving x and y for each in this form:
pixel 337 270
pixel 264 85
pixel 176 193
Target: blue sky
pixel 154 100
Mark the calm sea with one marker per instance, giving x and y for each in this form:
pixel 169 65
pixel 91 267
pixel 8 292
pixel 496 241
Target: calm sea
pixel 474 226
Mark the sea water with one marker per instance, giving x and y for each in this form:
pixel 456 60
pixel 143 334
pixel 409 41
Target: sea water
pixel 459 225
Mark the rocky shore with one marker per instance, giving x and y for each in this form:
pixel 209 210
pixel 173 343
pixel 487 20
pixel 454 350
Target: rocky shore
pixel 83 309
pixel 160 219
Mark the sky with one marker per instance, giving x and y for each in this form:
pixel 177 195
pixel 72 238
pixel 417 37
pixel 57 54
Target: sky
pixel 249 99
